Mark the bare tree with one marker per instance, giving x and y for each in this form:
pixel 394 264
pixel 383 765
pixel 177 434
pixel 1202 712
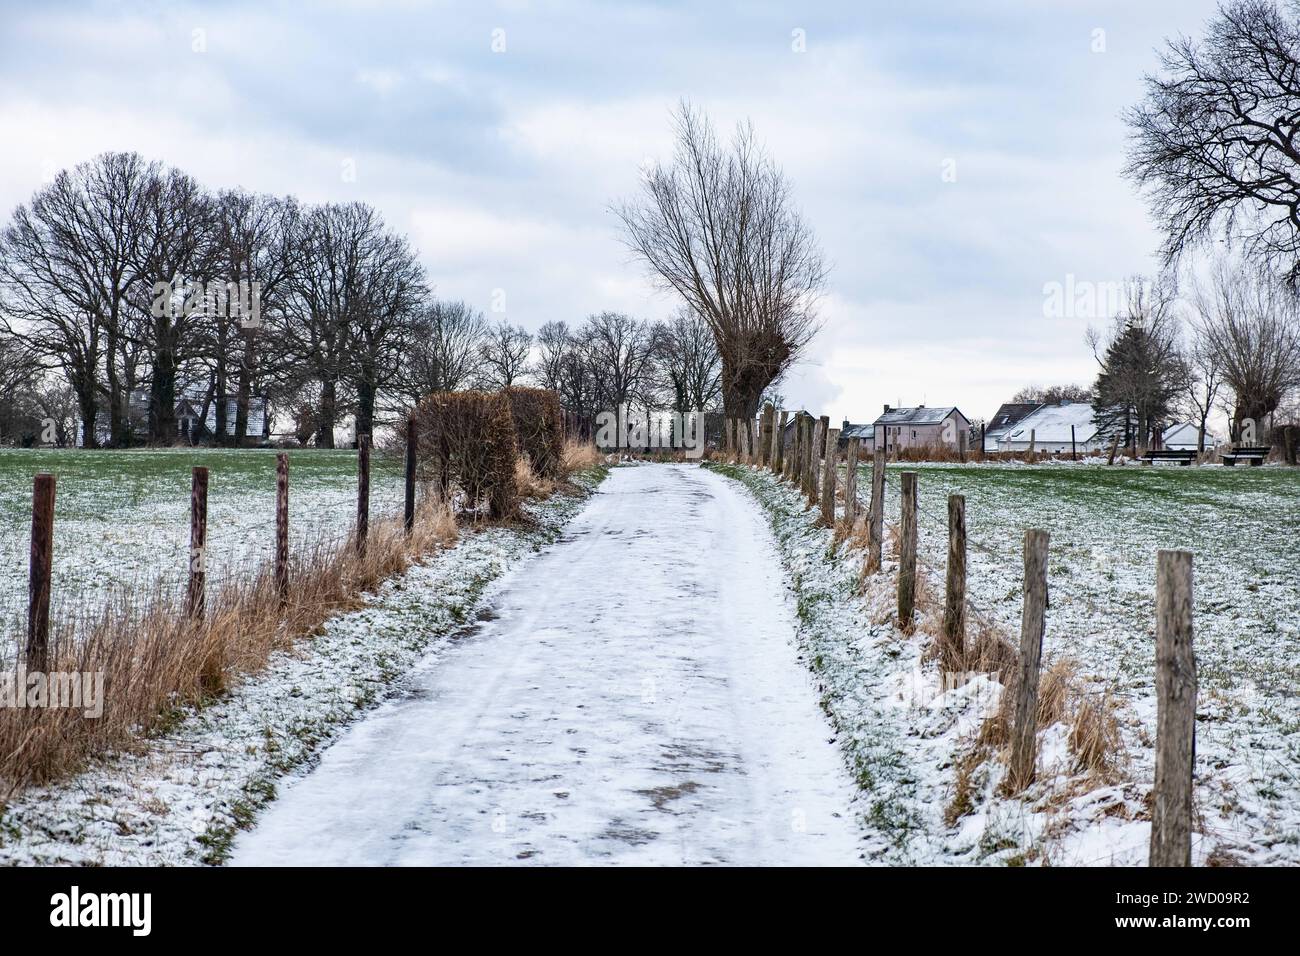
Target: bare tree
pixel 687 362
pixel 718 227
pixel 445 351
pixel 504 352
pixel 68 262
pixel 1248 328
pixel 1214 141
pixel 1052 394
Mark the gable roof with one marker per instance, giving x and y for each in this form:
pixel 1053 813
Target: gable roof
pixel 1051 423
pixel 858 431
pixel 919 415
pixel 1008 414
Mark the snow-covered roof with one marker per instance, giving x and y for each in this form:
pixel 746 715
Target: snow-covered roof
pixel 1051 423
pixel 1184 433
pixel 858 431
pixel 1008 414
pixel 920 415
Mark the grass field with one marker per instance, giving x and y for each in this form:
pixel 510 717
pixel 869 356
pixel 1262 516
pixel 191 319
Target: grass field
pixel 122 517
pixel 1106 525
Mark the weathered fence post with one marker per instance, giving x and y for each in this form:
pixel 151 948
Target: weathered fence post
pixel 907 554
pixel 953 654
pixel 778 443
pixel 39 571
pixel 728 440
pixel 1033 622
pixel 282 526
pixel 1171 805
pixel 876 513
pixel 815 459
pixel 1032 443
pixel 198 541
pixel 805 454
pixel 742 432
pixel 851 483
pixel 408 514
pixel 1074 450
pixel 829 475
pixel 363 492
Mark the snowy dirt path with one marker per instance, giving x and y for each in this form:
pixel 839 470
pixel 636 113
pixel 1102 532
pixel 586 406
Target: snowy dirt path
pixel 636 699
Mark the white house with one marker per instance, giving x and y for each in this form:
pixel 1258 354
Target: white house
pixel 1184 436
pixel 1049 427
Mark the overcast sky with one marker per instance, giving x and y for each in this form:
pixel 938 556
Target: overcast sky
pixel 953 158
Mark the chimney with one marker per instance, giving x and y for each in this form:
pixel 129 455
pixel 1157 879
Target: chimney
pixel 845 426
pixel 887 409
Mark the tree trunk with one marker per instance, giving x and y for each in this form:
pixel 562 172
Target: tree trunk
pixel 162 388
pixel 86 404
pixel 325 416
pixel 365 409
pixel 117 436
pixel 245 387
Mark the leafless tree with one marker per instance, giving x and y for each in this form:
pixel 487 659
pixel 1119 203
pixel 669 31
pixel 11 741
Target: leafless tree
pixel 69 259
pixel 444 354
pixel 1214 141
pixel 619 351
pixel 718 226
pixel 254 245
pixel 1052 394
pixel 504 352
pixel 1248 327
pixel 687 362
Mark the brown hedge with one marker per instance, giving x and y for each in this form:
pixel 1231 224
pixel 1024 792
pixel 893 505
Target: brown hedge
pixel 539 428
pixel 466 441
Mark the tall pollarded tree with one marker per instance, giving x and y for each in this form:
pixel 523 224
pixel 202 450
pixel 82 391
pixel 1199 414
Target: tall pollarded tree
pixel 718 226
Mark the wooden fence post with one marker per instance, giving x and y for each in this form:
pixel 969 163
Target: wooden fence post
pixel 814 460
pixel 805 452
pixel 1033 622
pixel 778 443
pixel 830 472
pixel 728 442
pixel 1032 443
pixel 39 571
pixel 907 554
pixel 953 656
pixel 282 526
pixel 198 542
pixel 851 483
pixel 742 432
pixel 876 513
pixel 1171 805
pixel 1074 450
pixel 363 492
pixel 408 514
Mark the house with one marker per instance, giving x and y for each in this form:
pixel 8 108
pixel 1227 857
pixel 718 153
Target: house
pixel 921 427
pixel 1007 415
pixel 865 434
pixel 1184 436
pixel 1054 429
pixel 193 426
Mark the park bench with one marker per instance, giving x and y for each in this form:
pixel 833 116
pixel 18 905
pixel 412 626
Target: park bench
pixel 1252 454
pixel 1169 454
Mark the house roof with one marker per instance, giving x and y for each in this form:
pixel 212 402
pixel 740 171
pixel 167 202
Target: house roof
pixel 920 415
pixel 1185 433
pixel 1051 423
pixel 1008 414
pixel 858 431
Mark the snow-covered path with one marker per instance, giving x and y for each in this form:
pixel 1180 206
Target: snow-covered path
pixel 636 700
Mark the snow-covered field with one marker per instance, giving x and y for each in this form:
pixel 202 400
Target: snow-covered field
pixel 122 517
pixel 182 797
pixel 1106 525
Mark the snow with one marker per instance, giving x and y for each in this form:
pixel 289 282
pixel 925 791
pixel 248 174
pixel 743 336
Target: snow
pixel 635 698
pixel 180 797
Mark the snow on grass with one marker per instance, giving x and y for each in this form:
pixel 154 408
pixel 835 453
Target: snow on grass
pixel 183 795
pixel 1106 526
pixel 122 517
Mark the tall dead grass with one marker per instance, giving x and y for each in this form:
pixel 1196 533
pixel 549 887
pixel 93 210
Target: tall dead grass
pixel 157 661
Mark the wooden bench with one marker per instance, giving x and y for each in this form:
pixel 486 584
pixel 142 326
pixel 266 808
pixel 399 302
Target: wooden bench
pixel 1252 454
pixel 1169 454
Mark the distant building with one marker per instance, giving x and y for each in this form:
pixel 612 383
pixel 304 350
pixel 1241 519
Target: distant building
pixel 189 411
pixel 1050 428
pixel 1007 415
pixel 921 427
pixel 865 434
pixel 1184 436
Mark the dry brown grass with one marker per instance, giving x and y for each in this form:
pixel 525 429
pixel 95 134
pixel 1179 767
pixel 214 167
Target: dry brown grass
pixel 157 660
pixel 529 483
pixel 1095 738
pixel 579 456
